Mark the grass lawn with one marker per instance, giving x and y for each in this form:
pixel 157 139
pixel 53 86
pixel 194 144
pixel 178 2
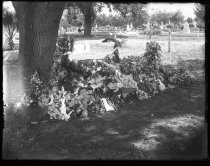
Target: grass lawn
pixel 186 46
pixel 168 126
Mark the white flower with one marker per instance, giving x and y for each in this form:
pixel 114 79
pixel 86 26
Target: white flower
pixel 94 60
pixel 18 105
pixel 93 71
pixel 99 68
pixel 70 58
pixel 75 60
pixel 118 73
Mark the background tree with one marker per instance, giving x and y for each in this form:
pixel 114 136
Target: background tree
pixel 89 11
pixel 177 17
pixel 189 20
pixel 102 20
pixel 161 16
pixel 133 12
pixel 64 23
pixel 74 17
pixel 139 14
pixel 199 12
pixel 10 25
pixel 38 28
pixel 117 20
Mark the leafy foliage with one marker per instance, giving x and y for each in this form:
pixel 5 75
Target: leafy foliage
pixel 117 44
pixel 89 11
pixel 175 76
pixel 145 69
pixel 199 11
pixel 153 29
pixel 10 25
pixel 74 17
pixel 189 20
pixel 77 88
pixel 165 17
pixel 133 12
pixel 65 45
pixel 161 16
pixel 114 21
pixel 177 17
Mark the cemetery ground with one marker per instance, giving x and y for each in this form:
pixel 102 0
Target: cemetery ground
pixel 168 126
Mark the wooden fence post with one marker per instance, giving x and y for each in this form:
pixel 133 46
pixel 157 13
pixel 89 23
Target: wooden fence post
pixel 169 41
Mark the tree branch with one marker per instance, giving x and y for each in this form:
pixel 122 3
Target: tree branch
pixel 6 34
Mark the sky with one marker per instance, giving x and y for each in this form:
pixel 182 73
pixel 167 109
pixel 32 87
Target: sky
pixel 185 8
pixel 8 4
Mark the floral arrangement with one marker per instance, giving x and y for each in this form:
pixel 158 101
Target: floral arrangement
pixel 81 89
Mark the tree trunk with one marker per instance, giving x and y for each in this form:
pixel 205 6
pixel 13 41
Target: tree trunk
pixel 11 43
pixel 38 28
pixel 88 25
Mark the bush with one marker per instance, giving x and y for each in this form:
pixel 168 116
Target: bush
pixel 169 26
pixel 155 31
pixel 181 27
pixel 191 25
pixel 194 29
pixel 77 88
pixel 175 76
pixel 65 44
pixel 201 25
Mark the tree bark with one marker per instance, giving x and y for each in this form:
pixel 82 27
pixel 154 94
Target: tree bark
pixel 38 28
pixel 88 25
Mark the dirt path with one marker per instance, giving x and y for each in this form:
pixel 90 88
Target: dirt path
pixel 168 126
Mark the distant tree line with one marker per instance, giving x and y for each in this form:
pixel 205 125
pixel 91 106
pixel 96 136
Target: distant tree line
pixel 116 21
pixel 88 14
pixel 200 15
pixel 166 17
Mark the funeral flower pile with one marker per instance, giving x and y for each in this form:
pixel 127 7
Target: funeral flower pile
pixel 80 89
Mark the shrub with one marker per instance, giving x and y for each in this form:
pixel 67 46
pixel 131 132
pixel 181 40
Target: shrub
pixel 65 44
pixel 191 25
pixel 201 25
pixel 76 88
pixel 145 70
pixel 117 44
pixel 176 76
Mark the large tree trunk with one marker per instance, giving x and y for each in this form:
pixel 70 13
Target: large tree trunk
pixel 88 25
pixel 38 28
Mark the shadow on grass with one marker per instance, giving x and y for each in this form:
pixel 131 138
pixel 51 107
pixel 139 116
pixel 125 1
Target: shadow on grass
pixel 168 126
pixel 102 35
pixel 177 147
pixel 95 37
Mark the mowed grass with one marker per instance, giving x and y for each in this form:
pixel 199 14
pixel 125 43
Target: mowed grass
pixel 184 47
pixel 169 126
pixel 166 127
